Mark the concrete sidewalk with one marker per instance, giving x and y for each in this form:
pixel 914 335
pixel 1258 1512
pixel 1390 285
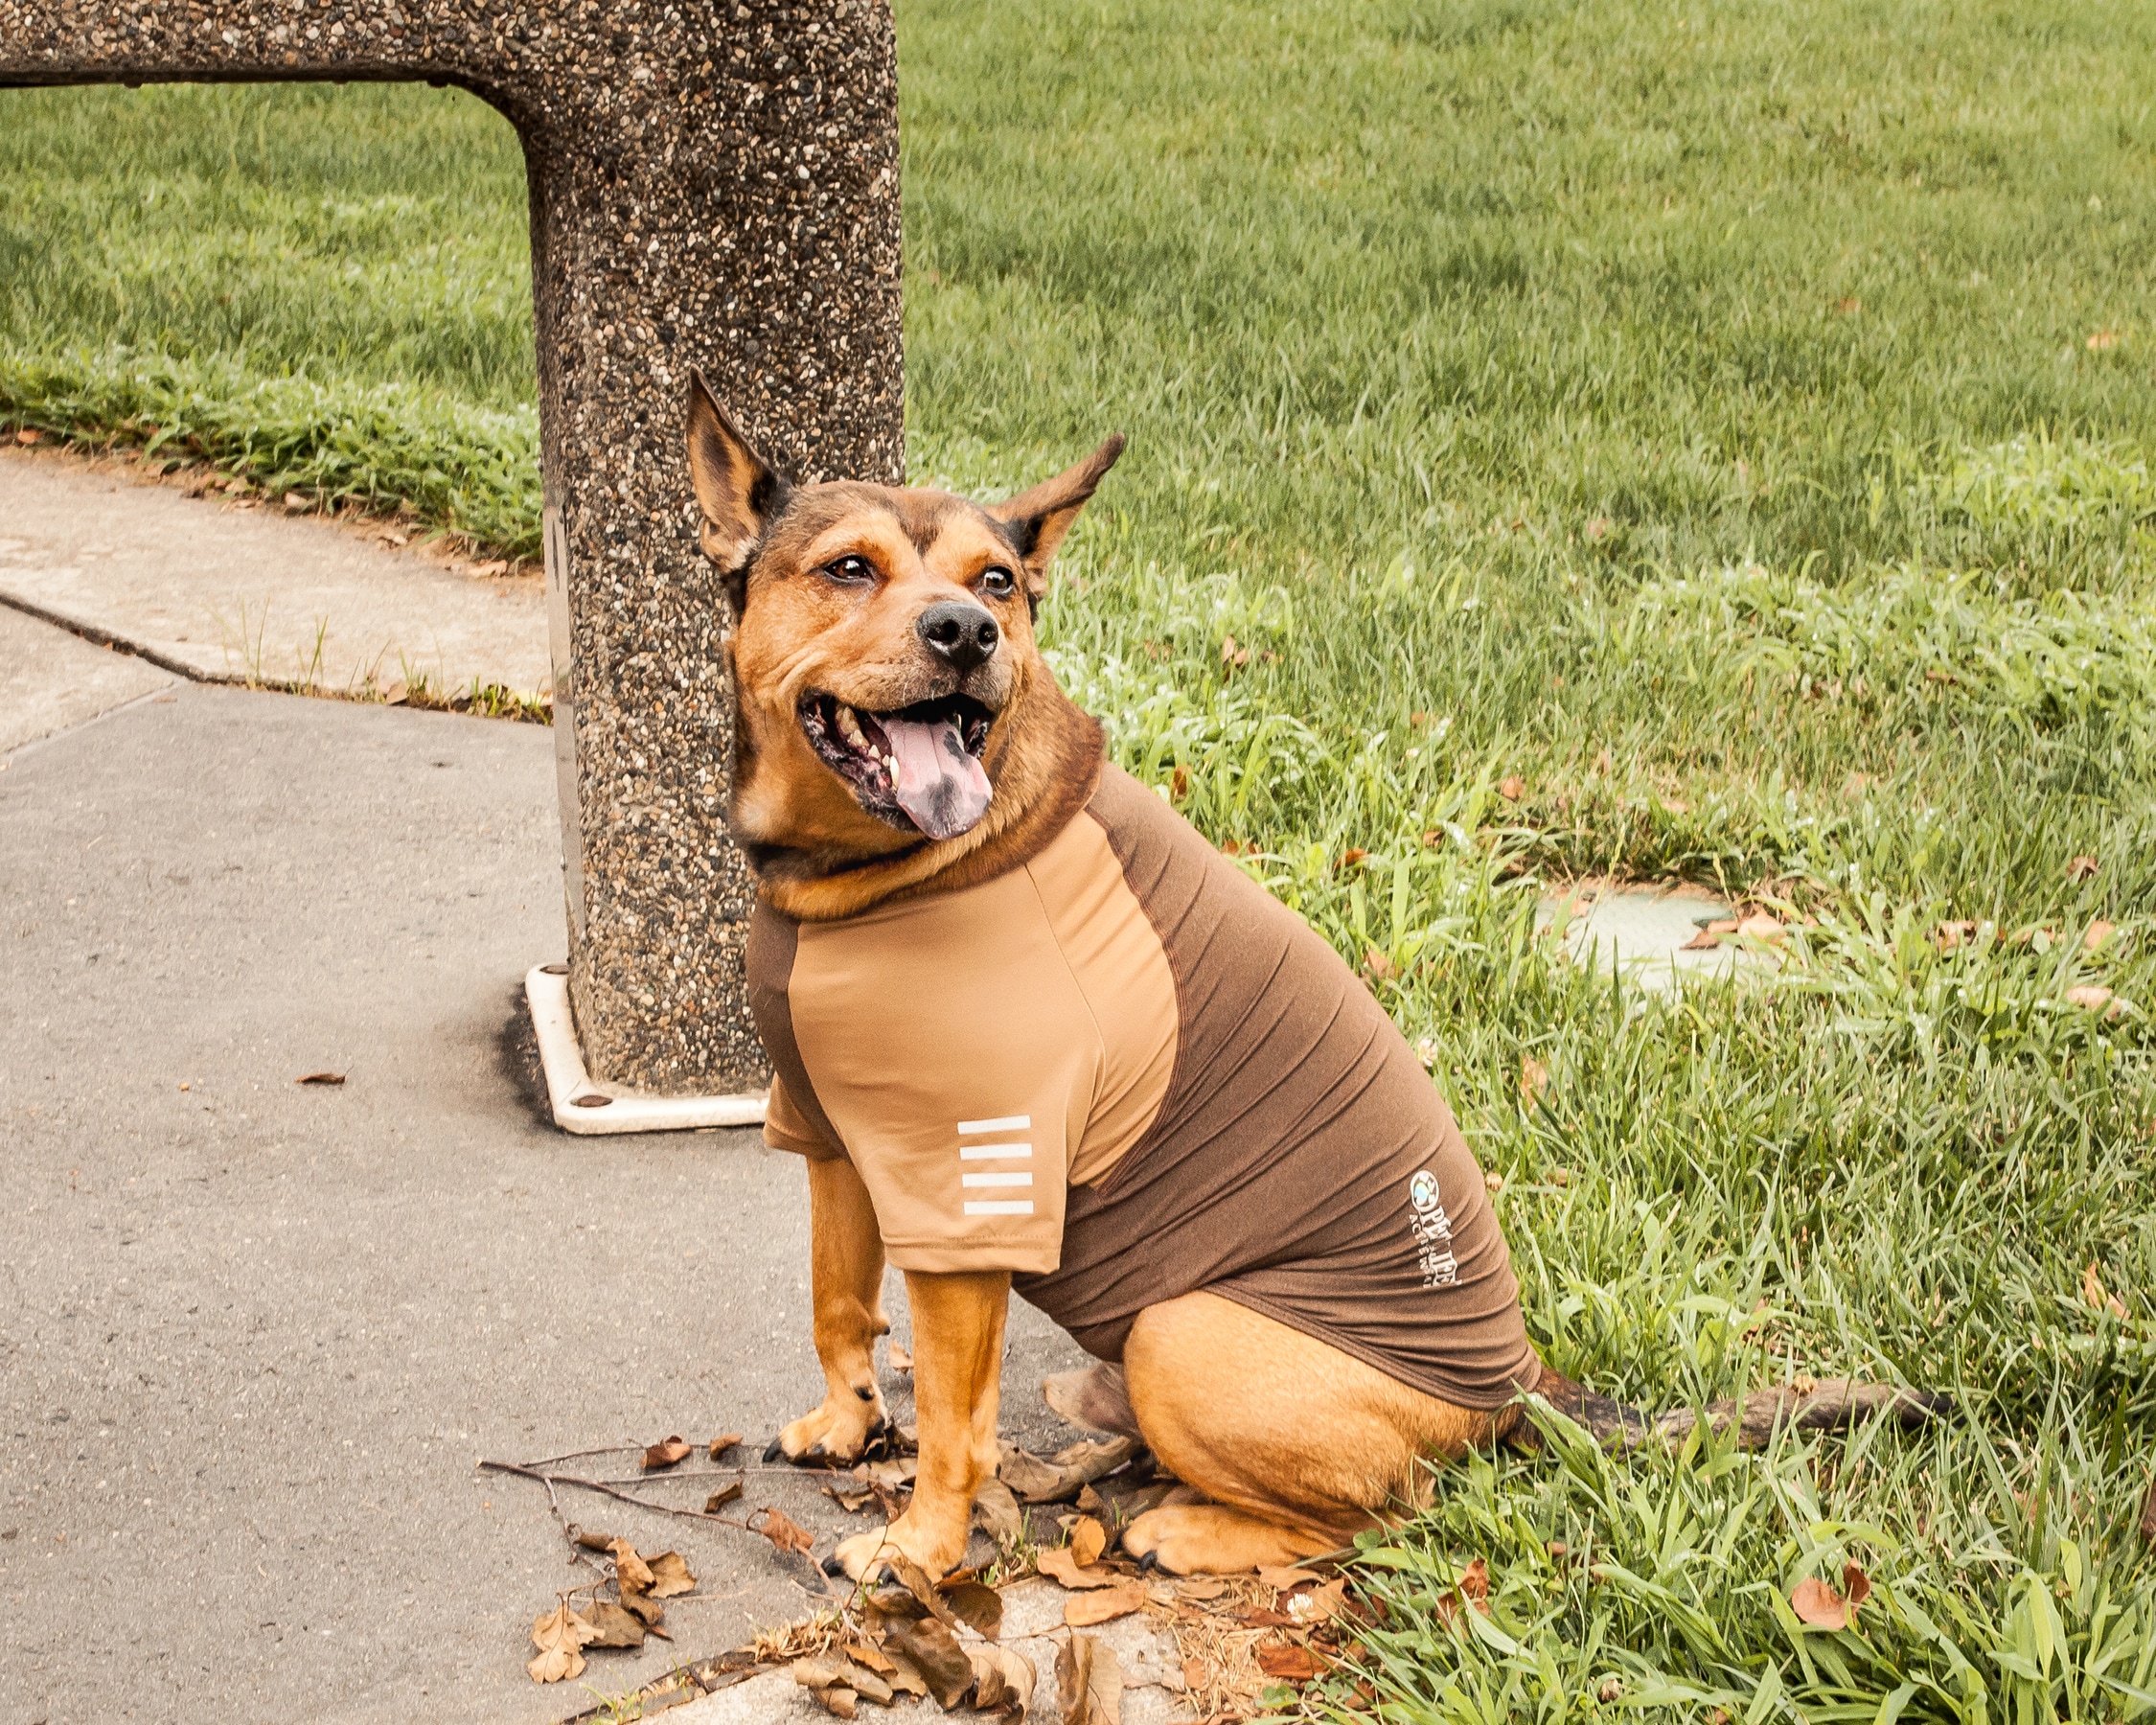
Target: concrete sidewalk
pixel 236 591
pixel 256 1334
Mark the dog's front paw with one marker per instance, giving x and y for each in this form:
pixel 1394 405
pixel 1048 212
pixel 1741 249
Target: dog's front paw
pixel 937 1550
pixel 839 1431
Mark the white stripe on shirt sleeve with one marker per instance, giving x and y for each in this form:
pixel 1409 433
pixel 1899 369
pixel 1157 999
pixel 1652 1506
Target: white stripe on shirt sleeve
pixel 1006 1123
pixel 1011 1179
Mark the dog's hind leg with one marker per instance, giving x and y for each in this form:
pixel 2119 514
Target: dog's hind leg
pixel 846 1279
pixel 1299 1445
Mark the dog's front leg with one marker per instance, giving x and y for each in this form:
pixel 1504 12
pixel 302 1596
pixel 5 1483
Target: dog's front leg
pixel 958 1377
pixel 846 1279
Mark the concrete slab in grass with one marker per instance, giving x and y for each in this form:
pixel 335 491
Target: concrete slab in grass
pixel 238 594
pixel 1643 931
pixel 51 680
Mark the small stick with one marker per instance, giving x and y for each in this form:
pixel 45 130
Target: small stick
pixel 552 1480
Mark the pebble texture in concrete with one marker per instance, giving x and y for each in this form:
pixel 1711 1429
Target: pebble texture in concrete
pixel 253 1333
pixel 711 183
pixel 234 594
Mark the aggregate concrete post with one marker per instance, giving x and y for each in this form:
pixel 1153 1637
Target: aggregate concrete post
pixel 713 184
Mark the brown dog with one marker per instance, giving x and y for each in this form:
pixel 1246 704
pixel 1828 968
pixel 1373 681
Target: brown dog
pixel 1029 1027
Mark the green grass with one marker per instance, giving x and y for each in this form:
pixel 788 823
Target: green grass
pixel 1691 412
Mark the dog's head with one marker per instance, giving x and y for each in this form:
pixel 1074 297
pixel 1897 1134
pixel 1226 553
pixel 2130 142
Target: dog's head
pixel 889 692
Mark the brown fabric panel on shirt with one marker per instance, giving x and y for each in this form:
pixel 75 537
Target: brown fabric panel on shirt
pixel 773 939
pixel 1302 1164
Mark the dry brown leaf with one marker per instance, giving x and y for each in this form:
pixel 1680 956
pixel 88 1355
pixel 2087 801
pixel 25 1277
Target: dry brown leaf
pixel 853 1499
pixel 1210 1587
pixel 1090 1501
pixel 2094 997
pixel 785 1533
pixel 1089 1539
pixel 901 1357
pixel 321 1078
pixel 2102 341
pixel 646 1608
pixel 1083 1610
pixel 996 1512
pixel 1320 1605
pixel 1951 935
pixel 1377 966
pixel 836 1700
pixel 1003 1680
pixel 725 1441
pixel 1284 1576
pixel 905 1676
pixel 613 1626
pixel 934 1652
pixel 1474 1584
pixel 2095 1295
pixel 976 1603
pixel 724 1495
pixel 631 1572
pixel 1290 1663
pixel 1512 787
pixel 867 1653
pixel 916 1581
pixel 1060 1566
pixel 561 1636
pixel 2082 868
pixel 670 1576
pixel 1534 1078
pixel 667 1452
pixel 1089 1683
pixel 1818 1605
pixel 2099 931
pixel 1761 925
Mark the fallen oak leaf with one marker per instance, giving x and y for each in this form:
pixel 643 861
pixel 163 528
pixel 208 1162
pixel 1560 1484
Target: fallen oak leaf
pixel 670 1576
pixel 1004 1680
pixel 836 1699
pixel 996 1512
pixel 1060 1566
pixel 1818 1606
pixel 667 1452
pixel 1289 1662
pixel 724 1495
pixel 561 1636
pixel 1083 1610
pixel 976 1603
pixel 1089 1683
pixel 631 1573
pixel 785 1533
pixel 613 1626
pixel 725 1441
pixel 1089 1539
pixel 934 1652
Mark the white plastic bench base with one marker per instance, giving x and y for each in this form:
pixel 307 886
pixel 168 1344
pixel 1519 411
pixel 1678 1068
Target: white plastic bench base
pixel 576 1097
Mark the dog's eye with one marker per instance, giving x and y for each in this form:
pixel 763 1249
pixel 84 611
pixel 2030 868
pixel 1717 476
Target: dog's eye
pixel 850 570
pixel 999 582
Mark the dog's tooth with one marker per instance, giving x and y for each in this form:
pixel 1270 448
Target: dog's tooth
pixel 849 727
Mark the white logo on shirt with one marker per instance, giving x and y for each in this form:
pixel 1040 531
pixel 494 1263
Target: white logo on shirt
pixel 972 1180
pixel 1433 1232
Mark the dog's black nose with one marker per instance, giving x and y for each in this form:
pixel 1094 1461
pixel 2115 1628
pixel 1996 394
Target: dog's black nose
pixel 963 636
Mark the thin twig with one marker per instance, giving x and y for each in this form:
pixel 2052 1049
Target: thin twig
pixel 552 1480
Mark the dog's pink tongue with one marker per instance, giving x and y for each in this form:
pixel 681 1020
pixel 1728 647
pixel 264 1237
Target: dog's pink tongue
pixel 937 782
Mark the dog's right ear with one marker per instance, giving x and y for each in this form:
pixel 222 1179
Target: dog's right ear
pixel 740 492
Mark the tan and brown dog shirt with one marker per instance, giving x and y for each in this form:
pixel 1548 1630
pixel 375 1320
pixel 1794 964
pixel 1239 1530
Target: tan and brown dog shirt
pixel 1124 1071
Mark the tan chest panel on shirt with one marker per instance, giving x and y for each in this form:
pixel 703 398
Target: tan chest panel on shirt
pixel 978 1052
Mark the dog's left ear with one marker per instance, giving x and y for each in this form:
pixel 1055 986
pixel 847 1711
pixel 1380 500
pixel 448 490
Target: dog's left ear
pixel 740 492
pixel 1040 518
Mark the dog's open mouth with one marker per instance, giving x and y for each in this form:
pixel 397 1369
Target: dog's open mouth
pixel 917 766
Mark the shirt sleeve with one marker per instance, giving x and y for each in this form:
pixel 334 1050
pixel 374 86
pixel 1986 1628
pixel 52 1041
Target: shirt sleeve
pixel 786 1128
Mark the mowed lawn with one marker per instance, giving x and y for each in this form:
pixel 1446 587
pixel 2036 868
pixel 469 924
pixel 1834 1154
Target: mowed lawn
pixel 1611 438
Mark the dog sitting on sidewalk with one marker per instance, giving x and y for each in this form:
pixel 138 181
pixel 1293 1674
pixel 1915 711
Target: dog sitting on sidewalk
pixel 1030 1030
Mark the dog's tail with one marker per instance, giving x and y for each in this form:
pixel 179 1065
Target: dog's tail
pixel 1828 1405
